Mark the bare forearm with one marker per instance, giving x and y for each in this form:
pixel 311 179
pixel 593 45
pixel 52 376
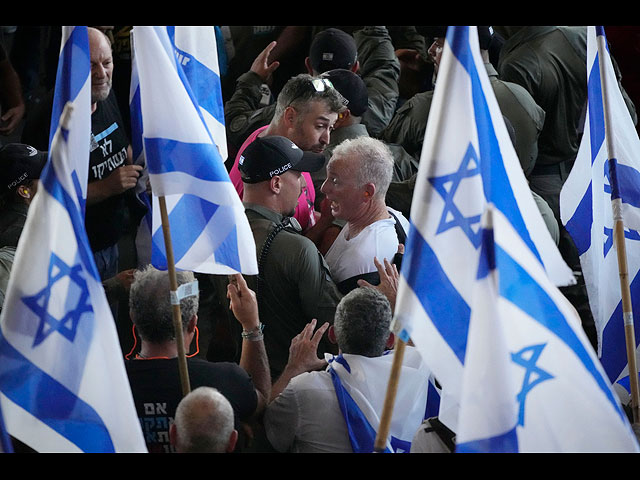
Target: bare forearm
pixel 254 361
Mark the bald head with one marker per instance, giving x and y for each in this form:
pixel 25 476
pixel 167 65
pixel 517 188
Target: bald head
pixel 101 65
pixel 204 423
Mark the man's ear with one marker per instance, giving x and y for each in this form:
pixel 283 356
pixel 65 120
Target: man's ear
pixel 369 190
pixel 331 334
pixel 193 323
pixel 307 64
pixel 275 184
pixel 289 117
pixel 233 439
pixel 391 341
pixel 24 191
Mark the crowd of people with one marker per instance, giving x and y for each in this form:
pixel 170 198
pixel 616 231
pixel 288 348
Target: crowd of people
pixel 325 128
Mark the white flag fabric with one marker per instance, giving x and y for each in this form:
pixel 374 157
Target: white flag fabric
pixel 532 382
pixel 183 151
pixel 467 160
pixel 586 207
pixel 361 386
pixel 63 385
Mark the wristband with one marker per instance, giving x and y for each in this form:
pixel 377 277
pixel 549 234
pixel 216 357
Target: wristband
pixel 255 334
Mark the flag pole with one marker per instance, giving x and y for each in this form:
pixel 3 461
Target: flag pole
pixel 616 204
pixel 173 283
pixel 389 401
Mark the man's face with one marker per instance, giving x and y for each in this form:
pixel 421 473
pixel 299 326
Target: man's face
pixel 101 67
pixel 341 188
pixel 312 129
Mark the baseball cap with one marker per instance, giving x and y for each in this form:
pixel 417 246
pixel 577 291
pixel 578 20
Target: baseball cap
pixel 20 162
pixel 332 48
pixel 273 155
pixel 351 87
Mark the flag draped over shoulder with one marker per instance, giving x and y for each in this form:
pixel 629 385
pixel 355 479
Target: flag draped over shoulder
pixel 63 385
pixel 531 382
pixel 360 385
pixel 467 161
pixel 596 187
pixel 184 148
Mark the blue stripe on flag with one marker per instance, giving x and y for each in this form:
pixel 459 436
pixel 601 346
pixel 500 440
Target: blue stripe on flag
pixel 190 210
pixel 69 83
pixel 613 357
pixel 361 434
pixel 505 443
pixel 51 402
pixel 495 181
pixel 450 317
pixel 52 185
pixel 200 160
pixel 596 111
pixel 579 226
pixel 525 293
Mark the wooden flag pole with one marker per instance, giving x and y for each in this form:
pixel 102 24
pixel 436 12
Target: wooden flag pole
pixel 173 283
pixel 389 401
pixel 616 204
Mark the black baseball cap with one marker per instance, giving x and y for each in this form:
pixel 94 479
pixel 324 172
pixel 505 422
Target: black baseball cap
pixel 19 163
pixel 351 87
pixel 273 155
pixel 332 48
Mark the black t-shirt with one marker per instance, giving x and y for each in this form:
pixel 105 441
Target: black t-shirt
pixel 157 390
pixel 105 221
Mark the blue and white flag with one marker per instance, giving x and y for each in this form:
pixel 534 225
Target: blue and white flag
pixel 63 385
pixel 467 161
pixel 5 441
pixel 532 381
pixel 183 151
pixel 361 387
pixel 596 186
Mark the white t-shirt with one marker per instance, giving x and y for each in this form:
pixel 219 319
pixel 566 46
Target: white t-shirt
pixel 348 258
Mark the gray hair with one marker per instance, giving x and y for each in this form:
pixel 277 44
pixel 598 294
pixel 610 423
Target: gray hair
pixel 361 322
pixel 204 422
pixel 299 93
pixel 375 159
pixel 150 303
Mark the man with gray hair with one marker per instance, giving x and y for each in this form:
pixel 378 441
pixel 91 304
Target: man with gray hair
pixel 313 410
pixel 358 176
pixel 154 373
pixel 204 423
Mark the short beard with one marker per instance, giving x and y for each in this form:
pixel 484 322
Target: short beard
pixel 100 97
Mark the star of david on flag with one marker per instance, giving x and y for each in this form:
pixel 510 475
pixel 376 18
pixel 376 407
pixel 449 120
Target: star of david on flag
pixel 181 122
pixel 596 186
pixel 63 385
pixel 467 161
pixel 531 382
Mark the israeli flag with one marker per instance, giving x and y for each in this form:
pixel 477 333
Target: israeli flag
pixel 184 155
pixel 63 385
pixel 361 385
pixel 5 441
pixel 532 382
pixel 596 187
pixel 467 161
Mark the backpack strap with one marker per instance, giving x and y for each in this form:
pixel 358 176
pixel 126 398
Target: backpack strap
pixel 447 436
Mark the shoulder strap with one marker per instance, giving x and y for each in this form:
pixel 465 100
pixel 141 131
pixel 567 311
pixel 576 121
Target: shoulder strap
pixel 266 246
pixel 443 432
pixel 402 238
